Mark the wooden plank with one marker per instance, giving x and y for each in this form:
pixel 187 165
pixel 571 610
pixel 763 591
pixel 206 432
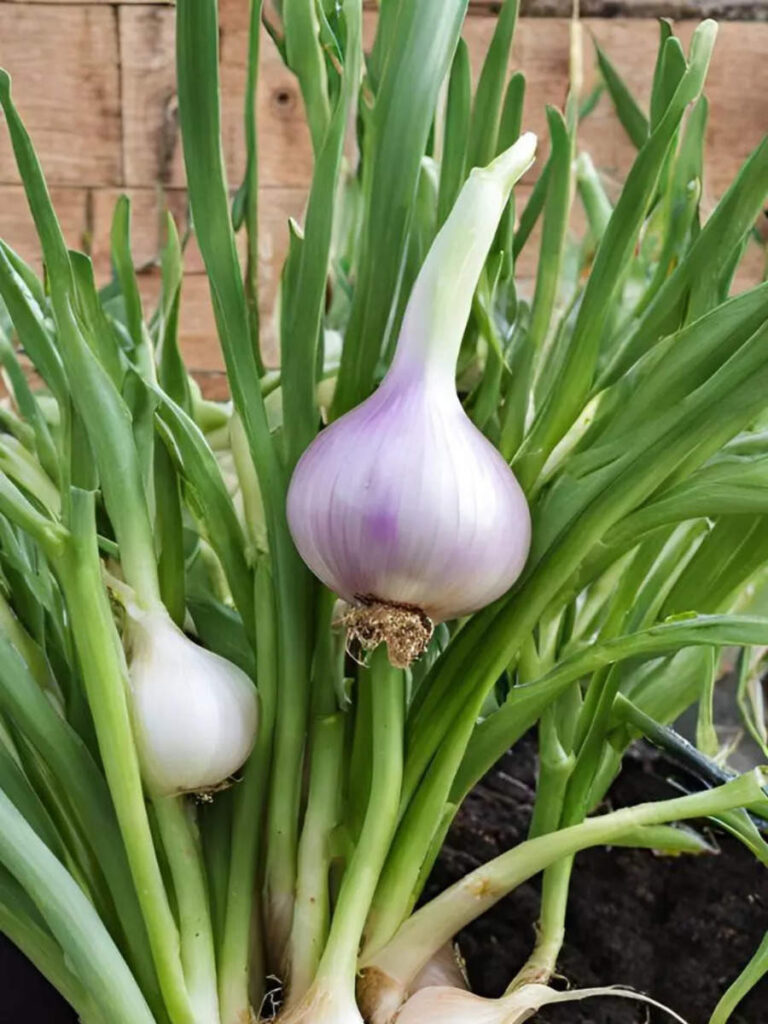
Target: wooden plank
pixel 149 132
pixel 18 229
pixel 150 125
pixel 90 3
pixel 64 63
pixel 738 117
pixel 731 10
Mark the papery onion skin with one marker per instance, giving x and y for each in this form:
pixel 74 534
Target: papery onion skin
pixel 403 501
pixel 444 1005
pixel 195 714
pixel 446 967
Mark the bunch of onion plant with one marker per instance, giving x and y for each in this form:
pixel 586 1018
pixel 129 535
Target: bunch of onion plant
pixel 254 654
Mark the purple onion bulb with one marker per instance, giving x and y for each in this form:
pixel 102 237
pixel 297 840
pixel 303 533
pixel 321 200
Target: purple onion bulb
pixel 403 501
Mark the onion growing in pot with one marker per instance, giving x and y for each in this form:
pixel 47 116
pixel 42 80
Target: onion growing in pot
pixel 402 507
pixel 194 713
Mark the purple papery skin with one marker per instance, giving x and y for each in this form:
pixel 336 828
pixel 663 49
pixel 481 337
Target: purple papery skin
pixel 404 500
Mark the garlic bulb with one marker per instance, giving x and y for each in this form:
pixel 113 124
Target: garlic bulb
pixel 402 507
pixel 443 1005
pixel 195 713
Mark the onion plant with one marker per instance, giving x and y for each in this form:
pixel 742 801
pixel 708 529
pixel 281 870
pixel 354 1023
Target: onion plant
pixel 254 654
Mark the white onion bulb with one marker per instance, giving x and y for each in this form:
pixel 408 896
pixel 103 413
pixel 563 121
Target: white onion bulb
pixel 442 1005
pixel 324 1004
pixel 402 501
pixel 445 968
pixel 195 713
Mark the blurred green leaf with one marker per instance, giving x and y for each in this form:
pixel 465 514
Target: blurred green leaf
pixel 532 210
pixel 453 161
pixel 72 919
pixel 208 495
pixel 99 331
pixel 698 276
pixel 32 331
pixel 554 228
pixel 68 758
pixel 171 371
pixel 122 261
pixel 305 58
pixel 422 44
pixel 670 69
pixel 487 105
pixel 29 409
pixel 633 120
pixel 304 291
pixel 565 399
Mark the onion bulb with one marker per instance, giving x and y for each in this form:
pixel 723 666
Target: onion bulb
pixel 324 1003
pixel 443 1005
pixel 195 713
pixel 446 967
pixel 402 507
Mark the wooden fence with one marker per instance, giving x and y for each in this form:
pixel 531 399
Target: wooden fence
pixel 95 83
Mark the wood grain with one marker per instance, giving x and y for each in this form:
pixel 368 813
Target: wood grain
pixel 64 64
pixel 150 126
pixel 18 230
pixel 733 10
pixel 95 82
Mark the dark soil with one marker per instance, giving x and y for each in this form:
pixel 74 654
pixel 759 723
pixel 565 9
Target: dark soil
pixel 679 929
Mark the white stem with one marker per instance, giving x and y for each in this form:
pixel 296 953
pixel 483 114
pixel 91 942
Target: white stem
pixel 441 299
pixel 424 933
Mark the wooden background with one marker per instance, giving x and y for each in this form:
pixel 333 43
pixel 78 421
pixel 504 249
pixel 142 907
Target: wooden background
pixel 95 82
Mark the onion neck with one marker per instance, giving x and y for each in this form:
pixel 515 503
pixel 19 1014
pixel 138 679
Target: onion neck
pixel 441 300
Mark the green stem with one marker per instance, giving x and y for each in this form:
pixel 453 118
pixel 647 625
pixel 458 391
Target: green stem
pixel 749 977
pixel 197 64
pixel 542 963
pixel 239 944
pixel 30 650
pixel 439 920
pixel 576 805
pixel 397 891
pixel 339 961
pixel 106 681
pixel 312 908
pixel 289 740
pixel 251 183
pixel 72 919
pixel 555 769
pixel 181 842
pixel 568 805
pixel 307 61
pixel 48 534
pixel 44 952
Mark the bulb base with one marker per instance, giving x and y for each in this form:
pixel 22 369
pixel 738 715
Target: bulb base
pixel 404 628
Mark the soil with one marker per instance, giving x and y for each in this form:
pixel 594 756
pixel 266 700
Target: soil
pixel 677 928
